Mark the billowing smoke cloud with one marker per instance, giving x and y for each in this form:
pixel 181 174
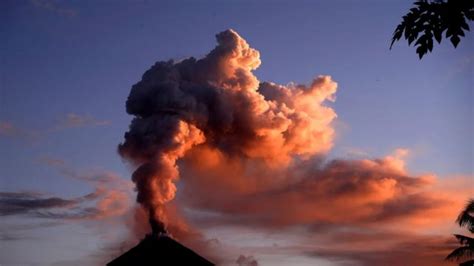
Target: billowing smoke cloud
pixel 218 103
pixel 344 192
pixel 253 153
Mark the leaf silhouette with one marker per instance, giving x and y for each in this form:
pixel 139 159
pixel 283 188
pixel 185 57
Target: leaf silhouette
pixel 428 20
pixel 466 250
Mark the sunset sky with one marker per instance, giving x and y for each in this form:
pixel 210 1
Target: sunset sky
pixel 380 177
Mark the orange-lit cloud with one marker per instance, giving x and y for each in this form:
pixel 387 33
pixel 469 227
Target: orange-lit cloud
pixel 217 101
pixel 339 191
pixel 254 153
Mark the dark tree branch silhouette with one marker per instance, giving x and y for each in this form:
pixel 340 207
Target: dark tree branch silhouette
pixel 430 19
pixel 466 250
pixel 465 218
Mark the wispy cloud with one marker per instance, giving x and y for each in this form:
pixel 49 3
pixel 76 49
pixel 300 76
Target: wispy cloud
pixel 8 129
pixel 72 120
pixel 356 153
pixel 34 203
pixel 67 121
pixel 5 236
pixel 92 177
pixel 372 249
pixel 55 7
pixel 96 205
pixel 111 197
pixel 107 204
pixel 51 161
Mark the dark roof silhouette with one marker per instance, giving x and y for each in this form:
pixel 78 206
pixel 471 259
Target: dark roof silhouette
pixel 159 250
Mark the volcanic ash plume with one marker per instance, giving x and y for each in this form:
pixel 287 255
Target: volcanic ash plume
pixel 216 102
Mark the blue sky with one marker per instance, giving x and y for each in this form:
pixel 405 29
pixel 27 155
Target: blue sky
pixel 82 57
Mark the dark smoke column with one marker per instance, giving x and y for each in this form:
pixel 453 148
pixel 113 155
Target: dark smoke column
pixel 155 142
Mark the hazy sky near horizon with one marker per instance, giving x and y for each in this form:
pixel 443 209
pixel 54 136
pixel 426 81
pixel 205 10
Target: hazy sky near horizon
pixel 67 68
